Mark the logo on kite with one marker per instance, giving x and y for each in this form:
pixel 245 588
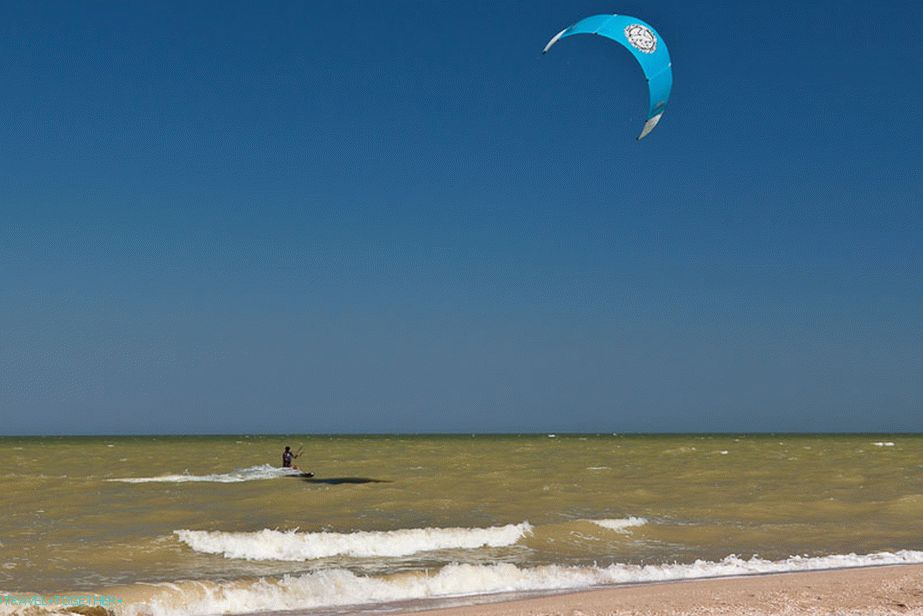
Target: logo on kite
pixel 645 45
pixel 641 38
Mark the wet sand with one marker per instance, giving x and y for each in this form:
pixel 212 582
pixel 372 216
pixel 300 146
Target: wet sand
pixel 871 591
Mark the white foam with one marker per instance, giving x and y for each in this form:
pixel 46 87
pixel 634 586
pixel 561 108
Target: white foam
pixel 621 525
pixel 253 473
pixel 883 444
pixel 341 587
pixel 270 544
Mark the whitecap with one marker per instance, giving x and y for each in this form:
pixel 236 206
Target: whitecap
pixel 268 544
pixel 621 525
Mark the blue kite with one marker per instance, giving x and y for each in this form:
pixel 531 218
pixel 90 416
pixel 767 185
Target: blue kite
pixel 646 46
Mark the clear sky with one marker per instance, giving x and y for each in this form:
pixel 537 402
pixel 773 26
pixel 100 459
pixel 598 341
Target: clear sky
pixel 392 216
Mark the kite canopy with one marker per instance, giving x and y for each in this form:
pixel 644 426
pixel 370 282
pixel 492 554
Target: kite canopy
pixel 646 46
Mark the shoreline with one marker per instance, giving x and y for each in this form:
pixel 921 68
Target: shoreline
pixel 876 590
pixel 872 591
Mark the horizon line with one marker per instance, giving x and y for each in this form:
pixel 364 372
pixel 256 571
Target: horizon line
pixel 434 434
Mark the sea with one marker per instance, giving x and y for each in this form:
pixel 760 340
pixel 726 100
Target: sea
pixel 196 525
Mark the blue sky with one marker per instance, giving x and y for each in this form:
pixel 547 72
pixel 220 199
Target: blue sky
pixel 341 216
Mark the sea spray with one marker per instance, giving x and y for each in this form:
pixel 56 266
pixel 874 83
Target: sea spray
pixel 253 473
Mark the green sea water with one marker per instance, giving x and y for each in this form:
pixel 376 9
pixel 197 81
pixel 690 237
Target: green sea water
pixel 94 513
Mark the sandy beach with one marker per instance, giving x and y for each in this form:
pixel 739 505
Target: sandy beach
pixel 870 591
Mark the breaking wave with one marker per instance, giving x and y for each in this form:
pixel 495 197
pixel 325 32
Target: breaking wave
pixel 292 545
pixel 337 587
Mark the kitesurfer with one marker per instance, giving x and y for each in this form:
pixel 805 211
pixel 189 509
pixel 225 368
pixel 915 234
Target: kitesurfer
pixel 288 457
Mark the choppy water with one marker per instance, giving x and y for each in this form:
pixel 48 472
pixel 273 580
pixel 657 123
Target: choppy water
pixel 178 525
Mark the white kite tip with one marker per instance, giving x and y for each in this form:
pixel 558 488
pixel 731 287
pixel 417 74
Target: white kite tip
pixel 554 40
pixel 649 126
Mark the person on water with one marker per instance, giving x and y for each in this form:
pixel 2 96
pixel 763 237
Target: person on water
pixel 287 457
